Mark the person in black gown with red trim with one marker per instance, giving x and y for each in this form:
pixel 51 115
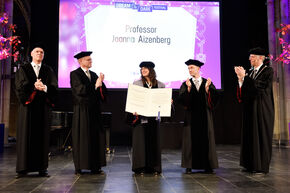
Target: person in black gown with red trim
pixel 88 135
pixel 36 88
pixel 256 95
pixel 198 97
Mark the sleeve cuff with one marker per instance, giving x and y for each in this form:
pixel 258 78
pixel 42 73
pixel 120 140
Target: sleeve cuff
pixel 241 82
pixel 45 89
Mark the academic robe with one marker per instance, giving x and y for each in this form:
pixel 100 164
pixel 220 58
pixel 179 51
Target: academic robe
pixel 88 135
pixel 34 117
pixel 256 95
pixel 198 144
pixel 146 149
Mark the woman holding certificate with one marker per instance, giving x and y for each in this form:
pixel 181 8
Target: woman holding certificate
pixel 146 154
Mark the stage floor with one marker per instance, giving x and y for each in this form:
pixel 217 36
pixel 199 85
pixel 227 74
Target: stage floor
pixel 118 176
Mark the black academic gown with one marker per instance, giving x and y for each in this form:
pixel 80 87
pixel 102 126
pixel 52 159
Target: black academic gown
pixel 146 149
pixel 88 136
pixel 256 95
pixel 198 145
pixel 33 119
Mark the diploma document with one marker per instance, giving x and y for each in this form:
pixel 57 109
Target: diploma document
pixel 149 102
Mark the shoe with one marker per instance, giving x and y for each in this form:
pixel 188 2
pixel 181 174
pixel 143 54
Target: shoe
pixel 20 175
pixel 98 171
pixel 43 173
pixel 246 170
pixel 259 173
pixel 139 173
pixel 188 171
pixel 156 173
pixel 208 171
pixel 78 172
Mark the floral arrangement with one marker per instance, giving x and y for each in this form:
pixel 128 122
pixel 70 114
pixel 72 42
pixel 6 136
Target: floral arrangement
pixel 8 45
pixel 284 57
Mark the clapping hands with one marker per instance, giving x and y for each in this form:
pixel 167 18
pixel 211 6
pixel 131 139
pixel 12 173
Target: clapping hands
pixel 39 85
pixel 207 84
pixel 100 80
pixel 188 84
pixel 241 72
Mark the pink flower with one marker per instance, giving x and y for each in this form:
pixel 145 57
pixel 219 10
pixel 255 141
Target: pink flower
pixel 6 43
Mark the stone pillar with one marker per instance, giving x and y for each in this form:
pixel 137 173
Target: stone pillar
pixel 5 75
pixel 284 10
pixel 277 15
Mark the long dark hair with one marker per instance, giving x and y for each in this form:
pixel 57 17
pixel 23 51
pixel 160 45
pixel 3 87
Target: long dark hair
pixel 152 76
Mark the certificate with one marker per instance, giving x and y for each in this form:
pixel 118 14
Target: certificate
pixel 149 102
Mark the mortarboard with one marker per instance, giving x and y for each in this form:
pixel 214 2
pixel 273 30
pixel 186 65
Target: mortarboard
pixel 37 45
pixel 147 64
pixel 257 51
pixel 82 54
pixel 194 62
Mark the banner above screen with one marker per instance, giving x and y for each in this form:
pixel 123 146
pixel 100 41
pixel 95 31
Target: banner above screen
pixel 122 34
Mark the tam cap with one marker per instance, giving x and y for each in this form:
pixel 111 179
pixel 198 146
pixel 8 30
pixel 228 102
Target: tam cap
pixel 82 54
pixel 194 62
pixel 257 51
pixel 147 64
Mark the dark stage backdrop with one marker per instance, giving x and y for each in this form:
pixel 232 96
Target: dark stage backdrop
pixel 243 26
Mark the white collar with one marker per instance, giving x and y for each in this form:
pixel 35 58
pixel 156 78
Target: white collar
pixel 33 64
pixel 258 68
pixel 199 79
pixel 149 85
pixel 85 70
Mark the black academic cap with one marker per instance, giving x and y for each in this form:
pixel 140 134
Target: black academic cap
pixel 147 64
pixel 37 45
pixel 82 54
pixel 257 51
pixel 194 62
